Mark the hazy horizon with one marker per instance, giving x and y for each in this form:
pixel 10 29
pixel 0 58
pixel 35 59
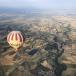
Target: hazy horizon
pixel 39 4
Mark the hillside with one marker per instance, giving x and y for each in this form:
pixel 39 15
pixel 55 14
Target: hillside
pixel 39 31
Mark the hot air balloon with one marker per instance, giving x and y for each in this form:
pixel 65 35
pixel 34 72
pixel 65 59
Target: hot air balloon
pixel 15 39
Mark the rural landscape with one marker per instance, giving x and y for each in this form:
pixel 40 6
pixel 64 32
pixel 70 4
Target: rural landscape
pixel 48 37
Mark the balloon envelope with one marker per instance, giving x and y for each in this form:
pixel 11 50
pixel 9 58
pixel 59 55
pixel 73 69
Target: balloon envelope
pixel 15 39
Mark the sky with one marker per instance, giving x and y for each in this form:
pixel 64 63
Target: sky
pixel 42 4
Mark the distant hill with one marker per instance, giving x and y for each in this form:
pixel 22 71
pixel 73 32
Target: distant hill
pixel 38 12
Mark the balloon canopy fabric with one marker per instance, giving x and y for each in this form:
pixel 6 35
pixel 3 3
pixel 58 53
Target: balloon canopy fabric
pixel 15 39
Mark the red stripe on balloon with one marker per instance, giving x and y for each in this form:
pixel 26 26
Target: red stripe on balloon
pixel 16 37
pixel 9 37
pixel 20 37
pixel 12 36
